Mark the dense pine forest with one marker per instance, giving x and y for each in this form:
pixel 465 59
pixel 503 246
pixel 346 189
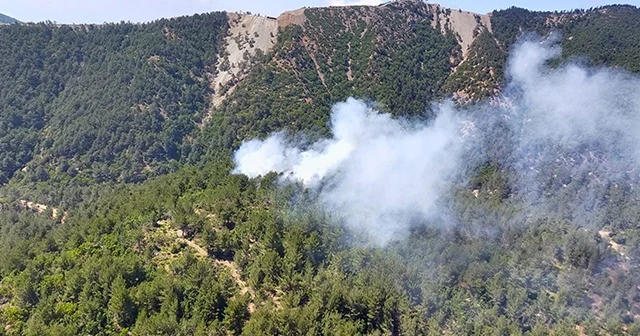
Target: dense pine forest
pixel 121 212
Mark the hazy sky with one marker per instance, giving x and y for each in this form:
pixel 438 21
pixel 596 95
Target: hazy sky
pixel 98 11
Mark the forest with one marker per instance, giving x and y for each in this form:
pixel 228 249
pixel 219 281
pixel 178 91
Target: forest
pixel 120 212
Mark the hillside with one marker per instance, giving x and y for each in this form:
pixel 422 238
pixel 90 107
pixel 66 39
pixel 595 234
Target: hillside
pixel 209 174
pixel 403 55
pixel 93 104
pixel 247 76
pixel 399 55
pixel 7 19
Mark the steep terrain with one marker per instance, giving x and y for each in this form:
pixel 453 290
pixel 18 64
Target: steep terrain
pixel 398 54
pixel 119 214
pixel 403 55
pixel 250 76
pixel 7 19
pixel 248 39
pixel 102 103
pixel 465 25
pixel 600 36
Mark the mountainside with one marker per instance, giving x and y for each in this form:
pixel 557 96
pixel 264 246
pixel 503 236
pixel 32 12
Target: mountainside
pixel 209 175
pixel 247 75
pixel 7 19
pixel 103 103
pixel 403 55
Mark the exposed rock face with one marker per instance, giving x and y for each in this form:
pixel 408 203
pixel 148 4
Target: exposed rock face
pixel 292 17
pixel 247 35
pixel 465 25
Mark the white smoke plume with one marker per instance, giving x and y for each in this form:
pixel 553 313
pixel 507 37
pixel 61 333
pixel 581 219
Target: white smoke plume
pixel 356 3
pixel 383 175
pixel 379 173
pixel 572 104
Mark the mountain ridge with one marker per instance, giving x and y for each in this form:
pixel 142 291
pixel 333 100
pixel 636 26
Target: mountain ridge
pixel 122 210
pixel 286 72
pixel 5 19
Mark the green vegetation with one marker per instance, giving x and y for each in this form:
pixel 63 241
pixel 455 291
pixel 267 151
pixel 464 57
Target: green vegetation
pixel 200 251
pixel 391 55
pixel 119 266
pixel 102 103
pixel 604 36
pixel 480 75
pixel 151 234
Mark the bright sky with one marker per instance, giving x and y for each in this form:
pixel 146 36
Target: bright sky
pixel 99 11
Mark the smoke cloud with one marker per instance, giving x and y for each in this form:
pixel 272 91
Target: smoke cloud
pixel 383 175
